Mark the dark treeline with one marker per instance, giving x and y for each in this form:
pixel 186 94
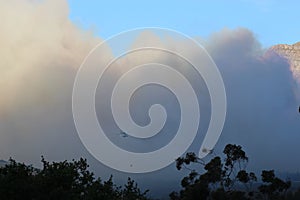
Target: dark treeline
pixel 228 179
pixel 61 181
pixel 221 179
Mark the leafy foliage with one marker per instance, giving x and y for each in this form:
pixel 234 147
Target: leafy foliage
pixel 61 180
pixel 273 187
pixel 223 179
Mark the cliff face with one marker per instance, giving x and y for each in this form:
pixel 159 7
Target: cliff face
pixel 292 54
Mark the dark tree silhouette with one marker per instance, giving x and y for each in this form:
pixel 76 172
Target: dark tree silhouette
pixel 61 180
pixel 273 187
pixel 224 179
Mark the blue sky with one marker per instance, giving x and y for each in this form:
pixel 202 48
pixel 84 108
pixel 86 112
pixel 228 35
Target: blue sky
pixel 272 22
pixel 41 52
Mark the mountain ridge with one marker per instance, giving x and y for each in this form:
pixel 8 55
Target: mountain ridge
pixel 292 54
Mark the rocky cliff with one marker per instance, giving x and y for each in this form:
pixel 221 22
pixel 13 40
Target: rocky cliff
pixel 292 54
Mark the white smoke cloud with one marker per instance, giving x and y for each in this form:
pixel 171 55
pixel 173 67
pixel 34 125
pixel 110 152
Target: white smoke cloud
pixel 262 99
pixel 41 51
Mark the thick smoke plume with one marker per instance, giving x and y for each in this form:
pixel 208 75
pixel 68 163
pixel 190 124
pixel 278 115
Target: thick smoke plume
pixel 41 51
